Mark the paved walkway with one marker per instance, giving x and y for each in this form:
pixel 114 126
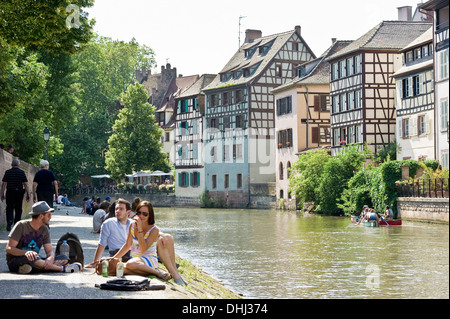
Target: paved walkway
pixel 78 285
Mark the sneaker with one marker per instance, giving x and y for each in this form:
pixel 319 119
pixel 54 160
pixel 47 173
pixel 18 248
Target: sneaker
pixel 25 269
pixel 75 267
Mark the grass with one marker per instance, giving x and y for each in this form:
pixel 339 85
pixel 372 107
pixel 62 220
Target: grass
pixel 200 284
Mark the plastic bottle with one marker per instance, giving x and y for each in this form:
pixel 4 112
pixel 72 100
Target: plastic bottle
pixel 119 269
pixel 105 268
pixel 64 249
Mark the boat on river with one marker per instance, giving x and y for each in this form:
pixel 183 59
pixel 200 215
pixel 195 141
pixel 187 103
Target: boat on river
pixel 395 222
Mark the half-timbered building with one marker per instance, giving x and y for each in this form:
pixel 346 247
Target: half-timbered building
pixel 302 118
pixel 362 89
pixel 415 100
pixel 240 117
pixel 189 123
pixel 439 8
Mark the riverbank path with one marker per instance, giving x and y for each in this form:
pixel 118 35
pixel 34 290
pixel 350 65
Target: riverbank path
pixel 77 285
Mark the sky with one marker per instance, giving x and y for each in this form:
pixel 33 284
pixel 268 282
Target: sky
pixel 201 36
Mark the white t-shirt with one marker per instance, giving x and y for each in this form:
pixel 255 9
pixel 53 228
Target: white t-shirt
pixel 99 217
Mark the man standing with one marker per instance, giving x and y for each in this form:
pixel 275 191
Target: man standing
pixel 26 240
pixel 16 184
pixel 43 184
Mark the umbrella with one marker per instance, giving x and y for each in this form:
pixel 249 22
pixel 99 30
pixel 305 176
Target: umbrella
pixel 100 176
pixel 159 173
pixel 141 174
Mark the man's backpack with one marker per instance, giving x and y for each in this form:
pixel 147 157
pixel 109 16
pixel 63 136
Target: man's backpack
pixel 76 251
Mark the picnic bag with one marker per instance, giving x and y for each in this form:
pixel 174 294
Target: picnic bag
pixel 112 265
pixel 130 283
pixel 76 250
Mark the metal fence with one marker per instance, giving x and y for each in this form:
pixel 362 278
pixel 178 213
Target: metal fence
pixel 424 187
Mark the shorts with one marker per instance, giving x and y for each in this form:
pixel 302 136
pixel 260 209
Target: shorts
pixel 150 261
pixel 18 261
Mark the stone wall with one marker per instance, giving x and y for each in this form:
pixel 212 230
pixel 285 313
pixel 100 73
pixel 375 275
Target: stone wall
pixel 424 209
pixel 30 170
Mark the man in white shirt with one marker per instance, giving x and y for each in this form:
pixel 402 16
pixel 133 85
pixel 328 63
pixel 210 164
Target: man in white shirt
pixel 114 232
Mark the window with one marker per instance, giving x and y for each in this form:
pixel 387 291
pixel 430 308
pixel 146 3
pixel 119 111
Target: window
pixel 227 181
pixel 358 64
pixel 350 63
pixel 358 99
pixel 285 138
pixel 335 137
pixel 335 103
pixel 237 151
pixel 214 181
pixel 405 127
pixel 195 179
pixel 278 71
pixel 443 64
pixel 212 100
pixel 444 115
pixel 358 134
pixel 417 53
pixel 183 179
pixel 444 160
pixel 407 87
pixel 422 129
pixel 418 84
pixel 239 181
pixel 288 169
pixel 225 98
pixel 281 171
pixel 238 96
pixel 343 102
pixel 351 100
pixel 343 68
pixel 351 135
pixel 284 105
pixel 335 71
pixel 226 153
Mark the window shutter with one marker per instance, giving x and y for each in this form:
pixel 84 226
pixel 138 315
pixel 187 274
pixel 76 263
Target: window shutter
pixel 198 178
pixel 315 135
pixel 192 178
pixel 179 179
pixel 316 103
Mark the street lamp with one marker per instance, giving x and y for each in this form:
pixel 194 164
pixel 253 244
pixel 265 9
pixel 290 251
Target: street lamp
pixel 46 139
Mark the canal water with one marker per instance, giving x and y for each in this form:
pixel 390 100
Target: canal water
pixel 274 254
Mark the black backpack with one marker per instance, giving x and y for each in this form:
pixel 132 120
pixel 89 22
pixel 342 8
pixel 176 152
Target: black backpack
pixel 76 251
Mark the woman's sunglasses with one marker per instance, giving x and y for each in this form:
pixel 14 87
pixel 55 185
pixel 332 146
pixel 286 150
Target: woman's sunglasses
pixel 143 213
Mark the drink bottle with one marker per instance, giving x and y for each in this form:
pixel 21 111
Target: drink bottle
pixel 64 249
pixel 105 268
pixel 119 269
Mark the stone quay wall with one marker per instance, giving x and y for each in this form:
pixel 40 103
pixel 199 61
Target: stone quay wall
pixel 424 209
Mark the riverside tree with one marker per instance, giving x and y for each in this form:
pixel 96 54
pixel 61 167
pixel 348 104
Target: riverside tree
pixel 135 142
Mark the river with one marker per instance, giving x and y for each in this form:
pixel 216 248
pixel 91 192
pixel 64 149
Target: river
pixel 275 254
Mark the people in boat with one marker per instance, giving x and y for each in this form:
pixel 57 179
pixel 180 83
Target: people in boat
pixel 363 213
pixel 371 216
pixel 388 214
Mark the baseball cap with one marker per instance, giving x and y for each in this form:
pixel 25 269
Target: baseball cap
pixel 40 208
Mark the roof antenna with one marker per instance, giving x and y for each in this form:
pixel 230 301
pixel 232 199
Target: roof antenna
pixel 240 18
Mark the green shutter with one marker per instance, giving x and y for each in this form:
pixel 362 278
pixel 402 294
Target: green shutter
pixel 179 179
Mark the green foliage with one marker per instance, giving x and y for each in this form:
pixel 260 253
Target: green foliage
pixel 358 192
pixel 305 176
pixel 336 174
pixel 135 143
pixel 42 25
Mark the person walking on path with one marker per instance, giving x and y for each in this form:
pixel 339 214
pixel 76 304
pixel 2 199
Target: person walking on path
pixel 16 184
pixel 26 240
pixel 43 184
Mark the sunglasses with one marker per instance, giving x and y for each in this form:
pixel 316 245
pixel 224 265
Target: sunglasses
pixel 143 213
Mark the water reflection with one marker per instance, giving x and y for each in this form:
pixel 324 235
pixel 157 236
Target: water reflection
pixel 271 254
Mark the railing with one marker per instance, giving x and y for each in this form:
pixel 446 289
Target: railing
pixel 89 190
pixel 423 187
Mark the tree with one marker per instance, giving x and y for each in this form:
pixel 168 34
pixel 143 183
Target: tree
pixel 306 174
pixel 337 172
pixel 135 143
pixel 42 24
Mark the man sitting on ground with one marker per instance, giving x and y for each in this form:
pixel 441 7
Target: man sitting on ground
pixel 26 240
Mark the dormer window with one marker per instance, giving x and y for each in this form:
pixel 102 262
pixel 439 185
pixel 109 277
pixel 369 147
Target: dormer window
pixel 224 77
pixel 251 70
pixel 265 48
pixel 249 52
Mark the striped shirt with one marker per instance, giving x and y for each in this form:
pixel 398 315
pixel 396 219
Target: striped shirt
pixel 149 256
pixel 15 177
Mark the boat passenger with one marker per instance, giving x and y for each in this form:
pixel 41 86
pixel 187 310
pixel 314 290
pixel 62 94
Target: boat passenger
pixel 372 216
pixel 388 214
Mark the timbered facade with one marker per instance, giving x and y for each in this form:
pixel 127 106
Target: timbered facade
pixel 240 116
pixel 415 100
pixel 189 123
pixel 302 118
pixel 362 89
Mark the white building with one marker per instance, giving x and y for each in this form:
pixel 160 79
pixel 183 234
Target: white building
pixel 415 100
pixel 441 45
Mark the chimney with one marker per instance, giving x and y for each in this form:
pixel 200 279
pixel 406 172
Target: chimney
pixel 252 35
pixel 298 29
pixel 404 13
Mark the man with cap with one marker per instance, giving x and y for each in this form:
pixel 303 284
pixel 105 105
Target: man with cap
pixel 27 238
